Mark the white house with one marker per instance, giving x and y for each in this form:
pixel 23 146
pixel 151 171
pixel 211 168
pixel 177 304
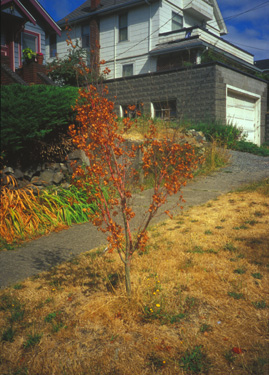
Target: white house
pixel 147 37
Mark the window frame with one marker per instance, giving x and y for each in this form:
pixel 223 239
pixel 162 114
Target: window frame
pixel 85 36
pixel 125 67
pixel 165 109
pixel 123 29
pixel 176 24
pixel 53 52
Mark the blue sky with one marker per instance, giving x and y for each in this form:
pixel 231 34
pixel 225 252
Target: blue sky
pixel 249 30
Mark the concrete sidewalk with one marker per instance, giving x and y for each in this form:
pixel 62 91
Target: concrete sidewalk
pixel 41 254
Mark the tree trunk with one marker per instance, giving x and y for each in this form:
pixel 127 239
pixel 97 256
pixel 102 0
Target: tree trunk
pixel 128 278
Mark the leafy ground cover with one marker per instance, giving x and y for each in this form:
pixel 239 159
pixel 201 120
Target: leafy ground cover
pixel 199 303
pixel 25 215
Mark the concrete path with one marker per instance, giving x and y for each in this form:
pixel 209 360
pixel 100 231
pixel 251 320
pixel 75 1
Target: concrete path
pixel 41 254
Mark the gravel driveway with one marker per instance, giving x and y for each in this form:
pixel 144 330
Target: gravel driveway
pixel 45 252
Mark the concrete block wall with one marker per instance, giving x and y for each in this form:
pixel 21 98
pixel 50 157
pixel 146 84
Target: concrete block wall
pixel 267 127
pixel 200 91
pixel 193 89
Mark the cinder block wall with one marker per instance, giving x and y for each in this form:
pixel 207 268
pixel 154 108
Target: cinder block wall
pixel 200 91
pixel 194 90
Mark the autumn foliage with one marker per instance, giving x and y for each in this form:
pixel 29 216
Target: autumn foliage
pixel 111 165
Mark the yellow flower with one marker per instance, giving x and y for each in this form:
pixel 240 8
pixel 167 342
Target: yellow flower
pixel 154 293
pixel 157 305
pixel 164 362
pixel 157 290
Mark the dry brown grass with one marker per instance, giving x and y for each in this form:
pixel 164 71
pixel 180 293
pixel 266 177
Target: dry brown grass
pixel 188 269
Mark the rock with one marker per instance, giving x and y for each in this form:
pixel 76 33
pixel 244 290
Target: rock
pixel 46 177
pixel 79 155
pixel 18 174
pixel 29 174
pixel 57 177
pixel 8 170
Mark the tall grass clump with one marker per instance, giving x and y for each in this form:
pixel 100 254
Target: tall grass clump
pixel 25 215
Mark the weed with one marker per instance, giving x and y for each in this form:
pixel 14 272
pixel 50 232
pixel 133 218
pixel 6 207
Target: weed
pixel 50 317
pixel 32 340
pixel 240 271
pixel 196 250
pixel 259 304
pixel 219 227
pixel 18 286
pixel 258 366
pixel 8 334
pixel 229 247
pixel 257 275
pixel 205 328
pixel 236 295
pixel 258 214
pixel 229 356
pixel 243 226
pixel 195 361
pixel 208 232
pixel 155 362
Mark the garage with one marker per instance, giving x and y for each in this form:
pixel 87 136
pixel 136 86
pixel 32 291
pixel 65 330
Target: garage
pixel 242 110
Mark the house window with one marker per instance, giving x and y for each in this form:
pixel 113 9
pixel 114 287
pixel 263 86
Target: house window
pixel 127 70
pixel 123 28
pixel 30 40
pixel 53 45
pixel 177 21
pixel 131 111
pixel 165 110
pixel 85 32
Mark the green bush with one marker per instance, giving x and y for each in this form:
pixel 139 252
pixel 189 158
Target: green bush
pixel 31 112
pixel 224 134
pixel 251 148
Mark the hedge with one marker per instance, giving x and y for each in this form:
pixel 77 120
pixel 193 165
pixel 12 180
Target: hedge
pixel 29 113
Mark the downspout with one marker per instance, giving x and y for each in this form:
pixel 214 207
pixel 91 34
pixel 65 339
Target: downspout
pixel 149 33
pixel 115 47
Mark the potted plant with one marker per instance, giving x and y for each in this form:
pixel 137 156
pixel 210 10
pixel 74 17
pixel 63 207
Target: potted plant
pixel 28 55
pixel 39 58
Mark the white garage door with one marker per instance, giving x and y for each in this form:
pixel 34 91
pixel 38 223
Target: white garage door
pixel 241 110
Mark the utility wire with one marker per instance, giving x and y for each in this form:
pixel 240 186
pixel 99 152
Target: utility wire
pixel 265 3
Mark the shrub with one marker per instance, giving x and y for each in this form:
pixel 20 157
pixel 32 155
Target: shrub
pixel 224 134
pixel 251 148
pixel 32 112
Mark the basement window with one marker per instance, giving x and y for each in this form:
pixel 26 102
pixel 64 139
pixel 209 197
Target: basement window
pixel 127 70
pixel 166 110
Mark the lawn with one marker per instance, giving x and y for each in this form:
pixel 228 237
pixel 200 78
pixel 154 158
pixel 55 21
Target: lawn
pixel 199 304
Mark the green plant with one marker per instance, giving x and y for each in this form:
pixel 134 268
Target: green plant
pixel 229 247
pixel 257 275
pixel 32 340
pixel 246 146
pixel 224 134
pixel 236 295
pixel 30 113
pixel 28 54
pixel 195 361
pixel 259 304
pixel 240 271
pixel 8 334
pixel 205 328
pixel 229 356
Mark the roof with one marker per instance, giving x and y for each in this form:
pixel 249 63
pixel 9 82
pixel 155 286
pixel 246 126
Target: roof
pixel 31 9
pixel 105 7
pixel 262 64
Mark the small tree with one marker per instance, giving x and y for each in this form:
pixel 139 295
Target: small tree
pixel 110 167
